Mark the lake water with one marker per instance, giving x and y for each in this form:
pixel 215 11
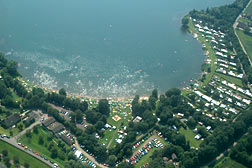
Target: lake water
pixel 102 48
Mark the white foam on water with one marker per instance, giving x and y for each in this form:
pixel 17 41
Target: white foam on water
pixel 45 80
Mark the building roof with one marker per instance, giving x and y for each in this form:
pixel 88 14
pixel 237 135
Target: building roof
pixel 66 139
pixel 12 119
pixel 56 127
pixel 137 119
pixel 49 121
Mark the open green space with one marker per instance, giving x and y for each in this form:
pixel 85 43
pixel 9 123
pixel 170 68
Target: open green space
pixel 110 134
pixel 246 41
pixel 249 9
pixel 230 79
pixel 228 163
pixel 33 143
pixel 145 159
pixel 23 157
pixel 189 134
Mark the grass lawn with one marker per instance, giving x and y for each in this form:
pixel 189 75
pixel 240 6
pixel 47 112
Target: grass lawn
pixel 109 133
pixel 15 96
pixel 42 149
pixel 189 134
pixel 15 130
pixel 23 157
pixel 107 136
pixel 145 159
pixel 249 9
pixel 246 41
pixel 228 163
pixel 230 79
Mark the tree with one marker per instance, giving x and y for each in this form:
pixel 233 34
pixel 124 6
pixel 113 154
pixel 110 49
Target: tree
pixel 35 129
pixel 180 140
pixel 4 90
pixel 50 136
pixel 16 159
pixel 202 131
pixel 247 30
pixel 185 22
pixel 154 94
pixel 41 140
pixel 173 91
pixel 28 134
pixel 76 164
pixel 125 165
pixel 26 165
pixel 11 133
pixel 12 68
pixel 62 92
pixel 152 101
pixel 191 123
pixel 20 127
pixel 7 161
pixel 103 107
pixel 5 152
pixel 54 152
pixel 99 125
pixel 112 160
pixel 61 155
pixel 78 116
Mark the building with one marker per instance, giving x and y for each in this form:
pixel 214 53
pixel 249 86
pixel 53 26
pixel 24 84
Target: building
pixel 66 139
pixel 48 122
pixel 56 127
pixel 12 120
pixel 137 119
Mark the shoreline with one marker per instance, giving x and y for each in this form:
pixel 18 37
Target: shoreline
pixel 79 96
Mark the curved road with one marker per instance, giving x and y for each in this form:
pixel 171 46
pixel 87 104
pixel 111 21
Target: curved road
pixel 87 155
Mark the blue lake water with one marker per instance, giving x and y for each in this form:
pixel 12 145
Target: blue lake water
pixel 102 48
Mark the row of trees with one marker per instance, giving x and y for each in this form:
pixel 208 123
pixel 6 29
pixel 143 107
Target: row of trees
pixel 242 151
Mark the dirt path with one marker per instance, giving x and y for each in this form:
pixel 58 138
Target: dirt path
pixel 30 127
pixel 110 142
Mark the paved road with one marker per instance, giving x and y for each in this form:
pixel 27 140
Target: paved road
pixel 235 26
pixel 87 155
pixel 13 142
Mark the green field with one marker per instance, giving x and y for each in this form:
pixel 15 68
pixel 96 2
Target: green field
pixel 231 79
pixel 249 9
pixel 246 41
pixel 42 149
pixel 228 163
pixel 145 159
pixel 23 157
pixel 189 134
pixel 110 135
